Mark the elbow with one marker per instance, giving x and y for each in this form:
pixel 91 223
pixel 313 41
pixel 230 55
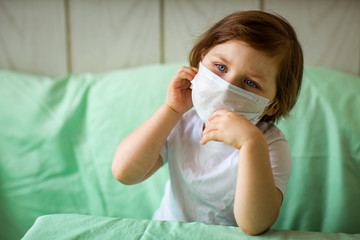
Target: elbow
pixel 120 174
pixel 253 230
pixel 255 227
pixel 121 169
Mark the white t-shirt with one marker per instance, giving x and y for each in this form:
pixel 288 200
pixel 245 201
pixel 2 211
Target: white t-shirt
pixel 203 177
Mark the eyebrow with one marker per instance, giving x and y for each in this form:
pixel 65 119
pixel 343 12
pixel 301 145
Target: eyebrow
pixel 258 76
pixel 221 57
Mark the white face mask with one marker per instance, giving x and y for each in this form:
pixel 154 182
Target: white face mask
pixel 210 93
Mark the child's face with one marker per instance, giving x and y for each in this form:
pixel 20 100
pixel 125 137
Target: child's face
pixel 247 68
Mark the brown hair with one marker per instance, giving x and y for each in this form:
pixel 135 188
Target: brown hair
pixel 270 34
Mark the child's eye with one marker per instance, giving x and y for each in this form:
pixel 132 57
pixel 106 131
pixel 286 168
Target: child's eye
pixel 222 68
pixel 250 83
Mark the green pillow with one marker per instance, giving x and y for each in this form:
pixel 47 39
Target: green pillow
pixel 58 137
pixel 323 193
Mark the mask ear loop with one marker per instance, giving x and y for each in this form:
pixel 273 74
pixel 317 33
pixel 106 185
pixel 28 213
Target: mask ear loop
pixel 272 104
pixel 269 106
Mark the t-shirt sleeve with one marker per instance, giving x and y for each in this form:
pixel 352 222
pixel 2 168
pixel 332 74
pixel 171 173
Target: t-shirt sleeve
pixel 164 152
pixel 281 164
pixel 279 152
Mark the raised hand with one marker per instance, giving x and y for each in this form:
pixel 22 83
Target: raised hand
pixel 179 93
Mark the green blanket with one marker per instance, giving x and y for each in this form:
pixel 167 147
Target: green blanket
pixel 58 137
pixel 92 227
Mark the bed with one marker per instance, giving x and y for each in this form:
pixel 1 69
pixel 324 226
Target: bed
pixel 60 125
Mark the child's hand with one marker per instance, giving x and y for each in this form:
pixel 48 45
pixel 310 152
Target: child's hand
pixel 230 128
pixel 179 93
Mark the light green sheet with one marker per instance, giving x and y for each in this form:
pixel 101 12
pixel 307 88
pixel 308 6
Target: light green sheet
pixel 58 137
pixel 78 227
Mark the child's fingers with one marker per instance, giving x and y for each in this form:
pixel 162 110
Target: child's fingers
pixel 181 80
pixel 205 138
pixel 181 83
pixel 210 136
pixel 218 113
pixel 179 90
pixel 187 73
pixel 207 130
pixel 190 69
pixel 210 132
pixel 195 69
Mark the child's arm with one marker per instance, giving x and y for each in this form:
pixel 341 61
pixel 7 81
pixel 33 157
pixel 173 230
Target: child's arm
pixel 138 155
pixel 257 199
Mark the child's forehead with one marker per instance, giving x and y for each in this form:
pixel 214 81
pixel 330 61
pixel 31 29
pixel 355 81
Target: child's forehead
pixel 240 53
pixel 235 46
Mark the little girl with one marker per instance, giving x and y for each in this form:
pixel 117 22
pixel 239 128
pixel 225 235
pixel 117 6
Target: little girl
pixel 229 164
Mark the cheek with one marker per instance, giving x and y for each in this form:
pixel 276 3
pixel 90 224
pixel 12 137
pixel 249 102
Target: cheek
pixel 273 105
pixel 272 95
pixel 273 74
pixel 271 91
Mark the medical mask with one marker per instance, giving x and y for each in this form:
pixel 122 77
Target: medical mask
pixel 210 93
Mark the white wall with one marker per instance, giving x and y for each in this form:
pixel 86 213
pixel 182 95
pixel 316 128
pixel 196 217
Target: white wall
pixel 74 36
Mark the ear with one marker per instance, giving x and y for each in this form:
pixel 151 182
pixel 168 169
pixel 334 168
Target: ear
pixel 272 108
